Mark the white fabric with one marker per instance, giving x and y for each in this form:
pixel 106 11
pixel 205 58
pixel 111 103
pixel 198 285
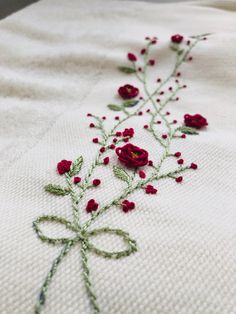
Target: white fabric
pixel 58 61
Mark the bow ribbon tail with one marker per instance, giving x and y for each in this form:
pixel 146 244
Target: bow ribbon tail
pixel 43 293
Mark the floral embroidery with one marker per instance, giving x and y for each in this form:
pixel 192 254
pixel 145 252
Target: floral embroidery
pixel 132 156
pixel 133 165
pixel 128 91
pixel 196 121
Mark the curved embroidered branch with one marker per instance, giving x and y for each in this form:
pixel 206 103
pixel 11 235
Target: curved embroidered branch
pixel 131 156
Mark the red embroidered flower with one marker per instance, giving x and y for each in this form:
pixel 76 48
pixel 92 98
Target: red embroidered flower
pixel 96 182
pixel 127 206
pixel 131 57
pixel 128 91
pixel 128 132
pixel 77 180
pixel 132 156
pixel 196 121
pixel 177 39
pixel 91 206
pixel 63 166
pixel 150 189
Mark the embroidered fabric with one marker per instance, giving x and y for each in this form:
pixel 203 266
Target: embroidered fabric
pixel 185 261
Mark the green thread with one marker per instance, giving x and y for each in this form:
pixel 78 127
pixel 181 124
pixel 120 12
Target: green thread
pixel 82 236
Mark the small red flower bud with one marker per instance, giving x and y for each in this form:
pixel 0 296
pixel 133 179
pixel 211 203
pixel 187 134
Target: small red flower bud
pixel 142 174
pixel 92 125
pixel 150 163
pixel 95 140
pixel 102 149
pixel 96 182
pixel 117 118
pixel 150 189
pixel 103 118
pixel 167 113
pixel 183 136
pixel 118 133
pixel 193 166
pixel 126 140
pixel 178 74
pixel 127 206
pixel 170 88
pixel 112 146
pixel 177 154
pixel 158 122
pixel 143 51
pixel 89 115
pixel 114 140
pixel 164 136
pixel 179 179
pixel 180 161
pixel 174 121
pixel 158 80
pixel 77 180
pixel 158 100
pixel 151 62
pixel 140 113
pixel 91 206
pixel 131 57
pixel 145 126
pixel 148 110
pixel 106 160
pixel 162 93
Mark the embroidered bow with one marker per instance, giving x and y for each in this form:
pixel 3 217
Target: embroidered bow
pixel 82 237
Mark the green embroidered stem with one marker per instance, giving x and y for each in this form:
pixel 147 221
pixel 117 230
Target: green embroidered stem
pixel 75 200
pixel 87 279
pixel 43 293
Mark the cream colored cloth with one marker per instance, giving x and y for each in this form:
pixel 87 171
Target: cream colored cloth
pixel 58 61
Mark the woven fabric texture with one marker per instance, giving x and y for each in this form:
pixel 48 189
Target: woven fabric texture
pixel 58 61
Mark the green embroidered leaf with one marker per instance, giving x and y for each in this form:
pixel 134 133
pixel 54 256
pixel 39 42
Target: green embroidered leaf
pixel 201 35
pixel 187 130
pixel 127 70
pixel 114 107
pixel 76 166
pixel 180 52
pixel 56 189
pixel 121 174
pixel 130 103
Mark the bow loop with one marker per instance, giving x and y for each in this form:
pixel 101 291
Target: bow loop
pixel 56 220
pixel 131 244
